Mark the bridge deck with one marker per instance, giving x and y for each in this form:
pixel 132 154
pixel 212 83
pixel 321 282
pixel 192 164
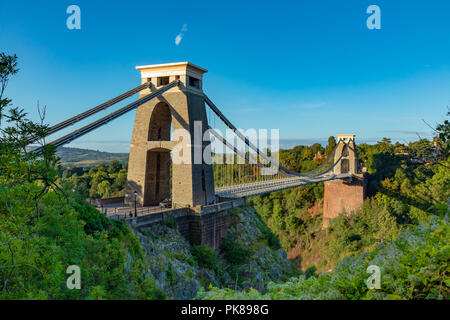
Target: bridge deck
pixel 263 187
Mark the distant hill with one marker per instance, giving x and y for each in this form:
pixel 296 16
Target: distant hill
pixel 88 158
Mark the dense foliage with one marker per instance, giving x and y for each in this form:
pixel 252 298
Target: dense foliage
pixel 414 266
pixel 233 252
pixel 102 181
pixel 406 186
pixel 45 227
pixel 205 256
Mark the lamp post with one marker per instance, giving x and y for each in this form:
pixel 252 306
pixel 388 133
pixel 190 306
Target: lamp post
pixel 135 203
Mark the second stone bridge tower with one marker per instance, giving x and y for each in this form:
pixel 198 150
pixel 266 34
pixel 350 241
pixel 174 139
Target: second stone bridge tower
pixel 152 175
pixel 347 195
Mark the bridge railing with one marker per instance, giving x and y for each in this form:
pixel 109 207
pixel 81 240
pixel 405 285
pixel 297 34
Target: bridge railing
pixel 129 211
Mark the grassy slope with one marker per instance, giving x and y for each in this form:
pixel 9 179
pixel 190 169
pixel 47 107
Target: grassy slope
pixel 88 158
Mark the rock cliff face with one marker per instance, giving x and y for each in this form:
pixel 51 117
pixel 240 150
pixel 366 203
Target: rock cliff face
pixel 178 273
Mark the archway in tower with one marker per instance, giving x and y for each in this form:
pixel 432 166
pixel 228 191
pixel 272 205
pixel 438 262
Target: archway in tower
pixel 159 161
pixel 345 166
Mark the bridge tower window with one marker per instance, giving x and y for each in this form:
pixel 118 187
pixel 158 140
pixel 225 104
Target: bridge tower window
pixel 194 82
pixel 162 81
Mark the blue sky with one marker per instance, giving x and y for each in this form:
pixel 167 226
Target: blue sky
pixel 309 68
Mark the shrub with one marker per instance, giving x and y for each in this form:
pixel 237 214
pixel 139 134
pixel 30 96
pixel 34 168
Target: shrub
pixel 205 256
pixel 272 240
pixel 233 252
pixel 170 273
pixel 310 272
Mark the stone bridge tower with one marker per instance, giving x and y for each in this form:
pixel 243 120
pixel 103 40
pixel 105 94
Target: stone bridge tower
pixel 347 149
pixel 347 195
pixel 153 174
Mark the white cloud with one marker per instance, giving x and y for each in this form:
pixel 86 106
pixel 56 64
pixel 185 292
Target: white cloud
pixel 180 36
pixel 178 39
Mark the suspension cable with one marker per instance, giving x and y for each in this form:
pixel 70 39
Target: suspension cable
pixel 116 114
pixel 237 151
pixel 64 124
pixel 243 138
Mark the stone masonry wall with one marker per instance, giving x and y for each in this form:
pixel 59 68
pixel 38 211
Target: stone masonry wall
pixel 206 229
pixel 343 196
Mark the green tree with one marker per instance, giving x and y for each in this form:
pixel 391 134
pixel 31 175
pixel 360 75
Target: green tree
pixel 8 67
pixel 114 167
pixel 45 227
pixel 331 145
pixel 443 133
pixel 104 189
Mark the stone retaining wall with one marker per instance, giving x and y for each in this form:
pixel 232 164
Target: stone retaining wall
pixel 201 225
pixel 343 196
